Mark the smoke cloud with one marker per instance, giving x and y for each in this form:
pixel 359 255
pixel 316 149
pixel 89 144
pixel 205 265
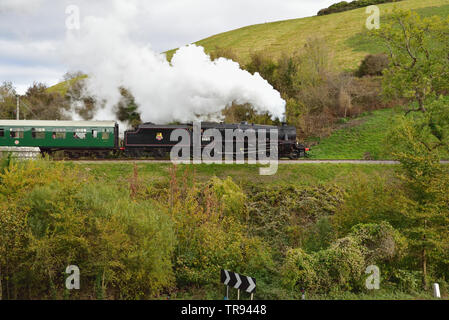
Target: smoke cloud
pixel 189 86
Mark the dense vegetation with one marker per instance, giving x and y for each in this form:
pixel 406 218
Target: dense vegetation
pixel 152 236
pixel 345 6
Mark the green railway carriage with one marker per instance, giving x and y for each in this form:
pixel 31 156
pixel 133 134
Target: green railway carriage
pixel 74 138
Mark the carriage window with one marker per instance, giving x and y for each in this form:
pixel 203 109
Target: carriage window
pixel 38 133
pixel 2 133
pixel 94 133
pixel 80 134
pixel 58 134
pixel 105 135
pixel 17 133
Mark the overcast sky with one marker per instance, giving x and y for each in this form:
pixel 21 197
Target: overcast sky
pixel 32 32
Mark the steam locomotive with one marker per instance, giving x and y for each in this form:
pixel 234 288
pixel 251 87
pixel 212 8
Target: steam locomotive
pixel 150 139
pixel 100 139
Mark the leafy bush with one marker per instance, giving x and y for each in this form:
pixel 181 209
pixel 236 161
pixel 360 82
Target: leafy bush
pixel 300 271
pixel 373 65
pixel 338 267
pixel 382 241
pixel 342 265
pixel 284 214
pixel 407 280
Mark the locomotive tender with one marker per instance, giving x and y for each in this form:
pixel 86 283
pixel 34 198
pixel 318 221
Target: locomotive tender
pixel 99 139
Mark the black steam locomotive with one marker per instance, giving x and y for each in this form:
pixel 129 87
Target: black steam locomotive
pixel 154 140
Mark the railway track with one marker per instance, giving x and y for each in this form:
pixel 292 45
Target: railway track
pixel 307 161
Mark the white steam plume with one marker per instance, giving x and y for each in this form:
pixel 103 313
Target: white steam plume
pixel 189 86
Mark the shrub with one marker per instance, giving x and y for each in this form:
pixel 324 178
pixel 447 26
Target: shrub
pixel 373 65
pixel 299 271
pixel 382 241
pixel 342 265
pixel 338 267
pixel 227 53
pixel 407 280
pixel 231 198
pixel 284 214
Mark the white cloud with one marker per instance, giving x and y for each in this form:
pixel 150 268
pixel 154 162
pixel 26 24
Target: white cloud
pixel 19 6
pixel 30 52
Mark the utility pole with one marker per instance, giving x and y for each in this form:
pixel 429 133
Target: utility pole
pixel 18 102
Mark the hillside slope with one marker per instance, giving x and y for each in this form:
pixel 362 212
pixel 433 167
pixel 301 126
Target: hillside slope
pixel 361 138
pixel 337 29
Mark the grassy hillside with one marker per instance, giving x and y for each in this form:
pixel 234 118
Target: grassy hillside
pixel 340 31
pixel 63 86
pixel 360 138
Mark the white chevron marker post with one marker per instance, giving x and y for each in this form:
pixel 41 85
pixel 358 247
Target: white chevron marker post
pixel 227 277
pixel 252 285
pixel 239 282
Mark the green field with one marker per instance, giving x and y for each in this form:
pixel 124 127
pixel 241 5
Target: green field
pixel 340 30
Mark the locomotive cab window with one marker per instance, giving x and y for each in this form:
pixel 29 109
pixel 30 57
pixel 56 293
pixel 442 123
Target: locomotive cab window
pixel 2 133
pixel 38 133
pixel 17 133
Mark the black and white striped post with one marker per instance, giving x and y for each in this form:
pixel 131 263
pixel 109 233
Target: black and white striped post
pixel 239 282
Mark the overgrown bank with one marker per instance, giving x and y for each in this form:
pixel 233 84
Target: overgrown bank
pixel 149 236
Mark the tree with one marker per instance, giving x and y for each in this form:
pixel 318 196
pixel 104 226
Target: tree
pixel 127 109
pixel 419 142
pixel 419 60
pixel 419 71
pixel 7 101
pixel 43 105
